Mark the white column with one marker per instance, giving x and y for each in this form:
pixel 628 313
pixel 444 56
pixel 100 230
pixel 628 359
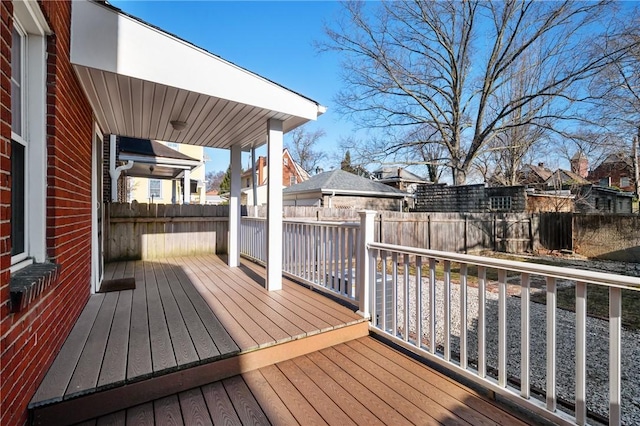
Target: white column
pixel 186 187
pixel 234 207
pixel 363 263
pixel 274 205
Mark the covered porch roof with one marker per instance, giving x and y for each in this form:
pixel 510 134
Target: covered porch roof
pixel 139 79
pixel 151 159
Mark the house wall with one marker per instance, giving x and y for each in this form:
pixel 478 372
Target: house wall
pixel 31 339
pixel 592 199
pixel 370 203
pixel 466 198
pixel 614 171
pixel 549 203
pixel 139 187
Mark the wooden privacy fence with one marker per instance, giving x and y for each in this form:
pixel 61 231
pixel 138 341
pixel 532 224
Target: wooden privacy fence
pixel 151 231
pixel 456 232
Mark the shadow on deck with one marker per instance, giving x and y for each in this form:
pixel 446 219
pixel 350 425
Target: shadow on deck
pixel 198 341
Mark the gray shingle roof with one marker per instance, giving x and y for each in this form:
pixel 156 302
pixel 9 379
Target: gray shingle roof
pixel 341 181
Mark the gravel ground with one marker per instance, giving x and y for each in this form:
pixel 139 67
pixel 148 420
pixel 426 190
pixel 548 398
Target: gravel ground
pixel 597 346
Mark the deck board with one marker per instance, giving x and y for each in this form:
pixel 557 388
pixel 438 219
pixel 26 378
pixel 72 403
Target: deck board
pixel 311 390
pixel 194 408
pixel 183 348
pixel 162 355
pixel 114 366
pixel 139 361
pixel 55 382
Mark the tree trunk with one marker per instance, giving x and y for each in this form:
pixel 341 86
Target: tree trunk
pixel 636 166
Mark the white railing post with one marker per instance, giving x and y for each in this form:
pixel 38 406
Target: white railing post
pixel 364 278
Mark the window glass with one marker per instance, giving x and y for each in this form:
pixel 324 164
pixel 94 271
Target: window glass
pixel 155 188
pixel 624 181
pixel 501 203
pixel 17 58
pixel 17 199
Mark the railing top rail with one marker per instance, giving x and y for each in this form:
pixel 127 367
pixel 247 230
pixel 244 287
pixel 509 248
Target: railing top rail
pixel 310 221
pixel 591 277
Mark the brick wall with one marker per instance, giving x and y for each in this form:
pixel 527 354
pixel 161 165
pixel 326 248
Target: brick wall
pixel 31 339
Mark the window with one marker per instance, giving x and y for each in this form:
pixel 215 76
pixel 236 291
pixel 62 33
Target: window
pixel 501 203
pixel 605 181
pixel 28 135
pixel 292 180
pixel 285 160
pixel 174 145
pixel 624 181
pixel 155 188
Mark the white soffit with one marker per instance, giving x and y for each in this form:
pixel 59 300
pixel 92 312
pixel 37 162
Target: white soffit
pixel 139 78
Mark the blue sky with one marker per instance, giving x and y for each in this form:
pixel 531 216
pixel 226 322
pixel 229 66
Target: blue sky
pixel 273 39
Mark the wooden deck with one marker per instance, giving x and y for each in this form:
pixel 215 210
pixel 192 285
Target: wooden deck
pixel 360 382
pixel 188 321
pixel 197 342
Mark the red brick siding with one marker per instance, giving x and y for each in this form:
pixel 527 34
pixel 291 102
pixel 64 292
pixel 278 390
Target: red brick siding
pixel 31 339
pixel 614 170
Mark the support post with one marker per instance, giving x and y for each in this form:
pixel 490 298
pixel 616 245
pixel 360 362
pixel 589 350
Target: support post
pixel 234 207
pixel 274 204
pixel 364 263
pixel 114 172
pixel 186 187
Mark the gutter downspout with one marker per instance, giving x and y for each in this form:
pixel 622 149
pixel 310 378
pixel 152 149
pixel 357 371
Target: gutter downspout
pixel 114 171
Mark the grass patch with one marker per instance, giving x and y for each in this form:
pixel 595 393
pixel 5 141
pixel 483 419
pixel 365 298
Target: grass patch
pixel 598 303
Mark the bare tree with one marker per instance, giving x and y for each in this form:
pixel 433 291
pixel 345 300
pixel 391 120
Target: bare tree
pixel 301 146
pixel 214 179
pixel 447 65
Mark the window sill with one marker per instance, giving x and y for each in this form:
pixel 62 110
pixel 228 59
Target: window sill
pixel 29 282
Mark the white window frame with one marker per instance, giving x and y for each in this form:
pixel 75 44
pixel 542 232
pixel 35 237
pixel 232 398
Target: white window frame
pixel 625 181
pixel 31 23
pixel 159 197
pixel 501 203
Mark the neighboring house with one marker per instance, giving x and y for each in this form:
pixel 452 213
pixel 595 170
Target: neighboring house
pixel 340 189
pixel 598 199
pixel 398 178
pixel 470 198
pixel 158 173
pixel 564 179
pixel 292 174
pixel 75 75
pixel 616 170
pixel 534 176
pixel 213 197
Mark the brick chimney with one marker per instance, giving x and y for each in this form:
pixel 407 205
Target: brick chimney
pixel 580 164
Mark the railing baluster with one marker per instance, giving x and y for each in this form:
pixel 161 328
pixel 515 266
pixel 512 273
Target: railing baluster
pixel 463 315
pixel 447 310
pixel 335 238
pixel 383 304
pixel 406 297
pixel 374 286
pixel 615 378
pixel 418 301
pixel 394 293
pixel 432 305
pixel 581 353
pixel 551 344
pixel 502 328
pixel 482 344
pixel 350 278
pixel 524 335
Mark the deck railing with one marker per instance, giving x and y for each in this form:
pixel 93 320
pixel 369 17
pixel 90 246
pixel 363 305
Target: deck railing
pixel 321 254
pixel 421 314
pixel 453 309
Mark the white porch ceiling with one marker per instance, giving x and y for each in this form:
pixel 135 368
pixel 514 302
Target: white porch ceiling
pixel 138 79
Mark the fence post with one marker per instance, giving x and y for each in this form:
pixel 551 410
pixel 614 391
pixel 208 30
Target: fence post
pixel 363 263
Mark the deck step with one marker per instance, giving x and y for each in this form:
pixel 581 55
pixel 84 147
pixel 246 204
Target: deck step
pixel 104 401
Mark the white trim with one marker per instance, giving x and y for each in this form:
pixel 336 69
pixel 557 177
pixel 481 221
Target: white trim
pixel 132 48
pixel 234 206
pixel 28 19
pixel 274 205
pixel 149 188
pixel 160 161
pixel 96 198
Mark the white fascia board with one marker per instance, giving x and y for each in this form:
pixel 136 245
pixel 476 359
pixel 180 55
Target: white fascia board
pixel 104 39
pixel 163 161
